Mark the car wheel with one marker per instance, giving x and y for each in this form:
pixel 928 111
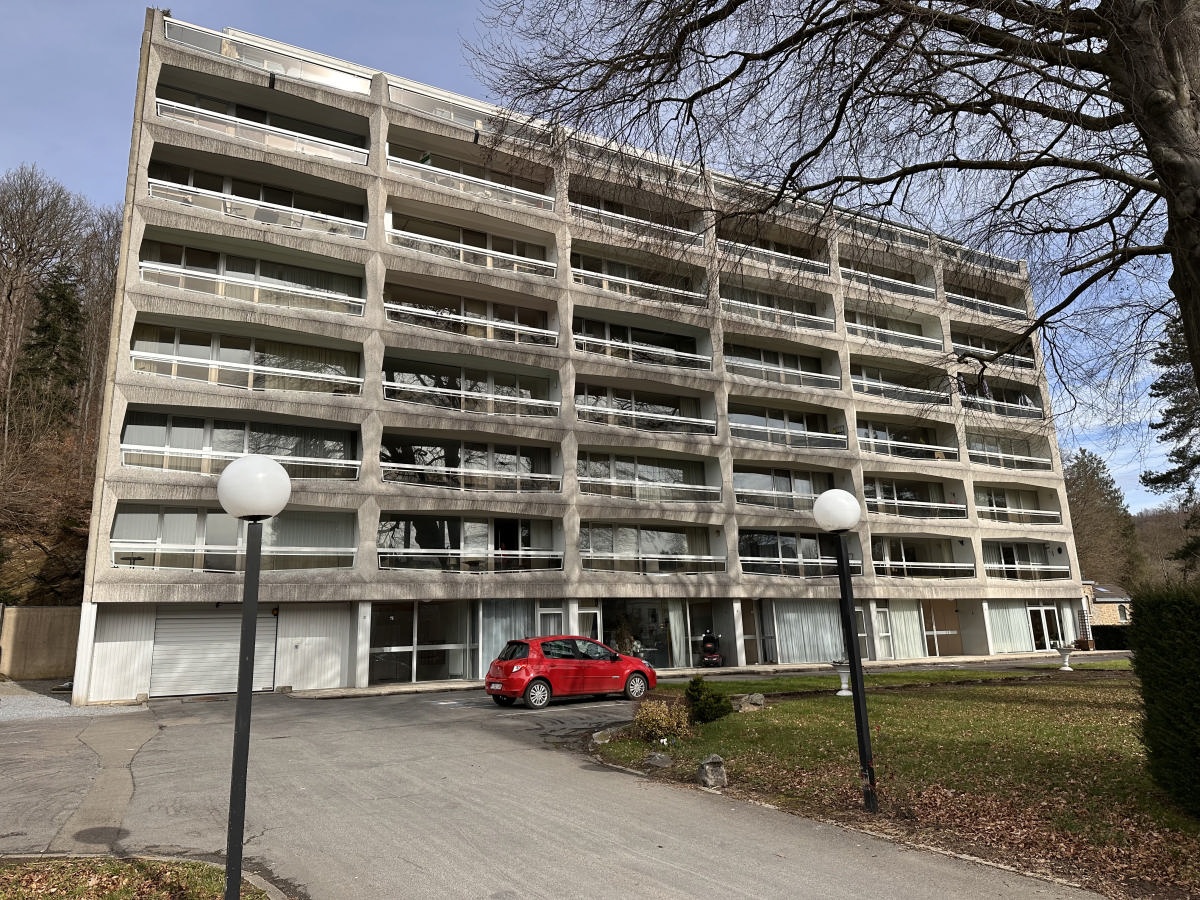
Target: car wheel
pixel 635 687
pixel 537 695
pixel 504 701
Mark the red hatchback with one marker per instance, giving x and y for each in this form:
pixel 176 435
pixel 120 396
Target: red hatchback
pixel 539 668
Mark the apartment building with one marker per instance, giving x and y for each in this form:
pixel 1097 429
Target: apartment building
pixel 523 388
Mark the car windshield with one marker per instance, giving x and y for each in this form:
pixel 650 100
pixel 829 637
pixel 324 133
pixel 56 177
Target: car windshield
pixel 515 650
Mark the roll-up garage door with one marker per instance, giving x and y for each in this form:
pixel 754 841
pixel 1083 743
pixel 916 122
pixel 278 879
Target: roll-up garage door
pixel 196 651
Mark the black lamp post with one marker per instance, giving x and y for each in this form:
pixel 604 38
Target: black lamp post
pixel 252 488
pixel 837 511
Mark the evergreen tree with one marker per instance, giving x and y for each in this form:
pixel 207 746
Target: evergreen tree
pixel 1105 536
pixel 50 367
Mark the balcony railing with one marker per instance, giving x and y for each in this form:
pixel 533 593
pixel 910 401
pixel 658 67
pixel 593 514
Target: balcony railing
pixel 907 449
pixel 213 462
pixel 246 376
pixel 650 491
pixel 471 326
pixel 1004 359
pixel 891 285
pixel 271 60
pixel 890 233
pixel 823 567
pixel 641 289
pixel 917 509
pixel 1001 408
pixel 780 375
pixel 776 499
pixel 470 479
pixel 264 213
pixel 634 226
pixel 217 558
pixel 924 570
pixel 647 421
pixel 1026 571
pixel 479 188
pixel 470 561
pixel 888 336
pixel 471 256
pixel 986 306
pixel 735 251
pixel 646 354
pixel 899 392
pixel 232 287
pixel 472 401
pixel 785 317
pixel 789 437
pixel 652 564
pixel 979 258
pixel 1009 460
pixel 266 136
pixel 1023 516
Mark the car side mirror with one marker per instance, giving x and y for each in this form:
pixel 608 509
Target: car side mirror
pixel 615 657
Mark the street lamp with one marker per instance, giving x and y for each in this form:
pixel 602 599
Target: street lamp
pixel 837 511
pixel 252 488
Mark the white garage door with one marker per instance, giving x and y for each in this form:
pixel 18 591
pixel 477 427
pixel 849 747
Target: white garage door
pixel 196 651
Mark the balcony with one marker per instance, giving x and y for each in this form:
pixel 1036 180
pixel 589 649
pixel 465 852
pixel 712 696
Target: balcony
pixel 782 375
pixel 987 306
pixel 635 227
pixel 898 338
pixel 471 401
pixel 484 480
pixel 249 53
pixel 471 562
pixel 649 491
pixel 266 136
pixel 774 316
pixel 735 251
pixel 821 567
pixel 217 558
pixel 246 376
pixel 643 290
pixel 471 326
pixel 916 509
pixel 476 188
pixel 1021 516
pixel 1010 460
pixel 652 564
pixel 646 354
pixel 776 499
pixel 232 287
pixel 1023 410
pixel 646 421
pixel 1004 359
pixel 813 440
pixel 890 285
pixel 471 256
pixel 264 213
pixel 213 462
pixel 979 258
pixel 890 569
pixel 1026 571
pixel 907 449
pixel 900 392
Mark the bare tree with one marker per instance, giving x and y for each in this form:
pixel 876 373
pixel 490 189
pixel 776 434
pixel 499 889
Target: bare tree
pixel 1062 132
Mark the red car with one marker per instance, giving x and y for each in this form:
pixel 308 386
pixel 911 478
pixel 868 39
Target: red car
pixel 564 665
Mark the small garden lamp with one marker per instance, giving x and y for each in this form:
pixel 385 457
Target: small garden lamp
pixel 252 488
pixel 837 511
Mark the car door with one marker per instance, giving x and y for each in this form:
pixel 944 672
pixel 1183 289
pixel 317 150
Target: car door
pixel 563 667
pixel 600 674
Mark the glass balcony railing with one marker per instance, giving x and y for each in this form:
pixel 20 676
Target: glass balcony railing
pixel 780 375
pixel 255 210
pixel 652 564
pixel 907 449
pixel 776 499
pixel 650 491
pixel 641 289
pixel 735 252
pixel 646 354
pixel 633 226
pixel 1010 460
pixel 1024 410
pixel 783 317
pixel 789 437
pixel 917 509
pixel 233 288
pixel 470 479
pixel 471 326
pixel 145 555
pixel 472 401
pixel 1022 516
pixel 213 462
pixel 986 306
pixel 1026 571
pixel 1004 359
pixel 245 376
pixel 892 234
pixel 470 561
pixel 477 188
pixel 898 338
pixel 899 392
pixel 471 256
pixel 267 136
pixel 242 50
pixel 647 421
pixel 924 570
pixel 891 285
pixel 979 258
pixel 823 567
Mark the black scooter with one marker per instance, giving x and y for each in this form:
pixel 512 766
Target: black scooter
pixel 710 651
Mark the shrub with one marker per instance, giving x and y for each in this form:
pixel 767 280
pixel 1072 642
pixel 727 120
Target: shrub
pixel 705 704
pixel 656 720
pixel 1165 637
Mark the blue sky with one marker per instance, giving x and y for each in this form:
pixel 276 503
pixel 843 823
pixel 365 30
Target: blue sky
pixel 69 69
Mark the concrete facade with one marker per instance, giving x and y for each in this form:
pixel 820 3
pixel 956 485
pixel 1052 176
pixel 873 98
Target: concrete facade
pixel 38 641
pixel 531 387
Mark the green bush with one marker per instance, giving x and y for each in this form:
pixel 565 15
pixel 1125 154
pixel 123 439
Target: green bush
pixel 657 720
pixel 705 704
pixel 1164 634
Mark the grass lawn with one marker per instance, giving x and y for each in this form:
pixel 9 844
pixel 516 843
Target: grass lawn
pixel 1044 771
pixel 102 878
